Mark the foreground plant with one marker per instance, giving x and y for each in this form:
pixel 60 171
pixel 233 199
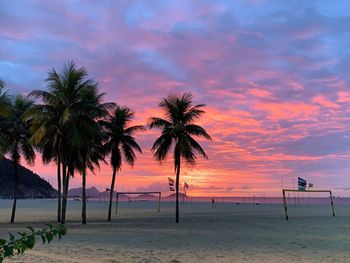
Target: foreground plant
pixel 27 241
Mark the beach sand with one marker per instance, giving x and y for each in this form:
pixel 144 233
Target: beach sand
pixel 228 233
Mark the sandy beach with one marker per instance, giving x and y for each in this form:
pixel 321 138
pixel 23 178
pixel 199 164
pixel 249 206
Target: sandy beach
pixel 228 233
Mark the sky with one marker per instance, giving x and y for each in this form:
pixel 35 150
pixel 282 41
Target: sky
pixel 274 76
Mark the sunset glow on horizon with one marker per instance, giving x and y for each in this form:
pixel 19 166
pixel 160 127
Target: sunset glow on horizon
pixel 274 78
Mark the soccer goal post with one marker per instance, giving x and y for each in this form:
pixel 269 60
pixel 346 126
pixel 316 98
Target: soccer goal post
pixel 305 191
pixel 137 193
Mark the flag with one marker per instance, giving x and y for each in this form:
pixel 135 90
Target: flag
pixel 171 181
pixel 301 184
pixel 186 186
pixel 171 184
pixel 107 189
pixel 311 185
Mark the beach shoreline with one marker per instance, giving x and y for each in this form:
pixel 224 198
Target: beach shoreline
pixel 227 233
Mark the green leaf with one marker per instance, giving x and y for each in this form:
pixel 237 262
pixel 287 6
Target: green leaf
pixel 12 237
pixel 8 252
pixel 31 229
pixel 49 237
pixel 30 242
pixel 43 238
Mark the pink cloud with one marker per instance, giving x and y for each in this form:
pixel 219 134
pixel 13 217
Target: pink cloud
pixel 323 101
pixel 287 110
pixel 343 96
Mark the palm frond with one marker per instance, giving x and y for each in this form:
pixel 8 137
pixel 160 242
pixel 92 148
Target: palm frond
pixel 129 140
pixel 133 129
pixel 129 154
pixel 162 146
pixel 197 130
pixel 158 123
pixel 193 144
pixel 193 113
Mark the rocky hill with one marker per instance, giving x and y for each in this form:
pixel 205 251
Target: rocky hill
pixel 31 185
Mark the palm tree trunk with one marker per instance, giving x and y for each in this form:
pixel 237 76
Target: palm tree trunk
pixel 65 193
pixel 59 190
pixel 65 196
pixel 83 210
pixel 111 195
pixel 177 190
pixel 15 192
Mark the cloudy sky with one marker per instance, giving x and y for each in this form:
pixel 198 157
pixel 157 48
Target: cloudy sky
pixel 274 75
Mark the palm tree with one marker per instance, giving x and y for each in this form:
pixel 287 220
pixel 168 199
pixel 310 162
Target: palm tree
pixel 120 142
pixel 5 104
pixel 67 119
pixel 46 135
pixel 5 108
pixel 16 132
pixel 93 154
pixel 90 131
pixel 178 128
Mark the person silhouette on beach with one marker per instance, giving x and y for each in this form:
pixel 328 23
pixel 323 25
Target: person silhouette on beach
pixel 213 203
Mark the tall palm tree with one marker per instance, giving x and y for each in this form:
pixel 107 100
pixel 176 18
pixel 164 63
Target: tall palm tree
pixel 5 109
pixel 90 132
pixel 177 129
pixel 120 142
pixel 92 155
pixel 70 108
pixel 5 106
pixel 16 132
pixel 46 135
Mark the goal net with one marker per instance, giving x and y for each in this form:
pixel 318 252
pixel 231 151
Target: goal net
pixel 302 193
pixel 138 197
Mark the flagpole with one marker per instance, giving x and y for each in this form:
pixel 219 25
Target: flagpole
pixel 295 199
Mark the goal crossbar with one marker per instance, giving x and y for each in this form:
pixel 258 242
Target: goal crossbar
pixel 137 193
pixel 305 191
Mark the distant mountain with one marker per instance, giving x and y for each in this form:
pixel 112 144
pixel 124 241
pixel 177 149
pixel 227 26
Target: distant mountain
pixel 147 197
pixel 90 192
pixel 31 185
pixel 181 195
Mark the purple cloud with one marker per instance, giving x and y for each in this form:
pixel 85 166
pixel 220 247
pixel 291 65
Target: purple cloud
pixel 273 74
